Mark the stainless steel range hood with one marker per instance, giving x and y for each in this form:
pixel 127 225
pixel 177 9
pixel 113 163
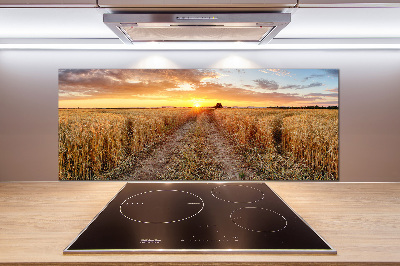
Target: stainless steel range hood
pixel 257 28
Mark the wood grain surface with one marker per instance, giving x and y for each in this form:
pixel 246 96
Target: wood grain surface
pixel 360 220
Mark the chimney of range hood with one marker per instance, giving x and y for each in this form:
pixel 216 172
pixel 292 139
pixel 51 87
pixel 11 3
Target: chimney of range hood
pixel 257 28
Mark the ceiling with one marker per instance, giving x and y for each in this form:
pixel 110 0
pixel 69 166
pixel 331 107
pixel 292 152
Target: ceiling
pixel 72 25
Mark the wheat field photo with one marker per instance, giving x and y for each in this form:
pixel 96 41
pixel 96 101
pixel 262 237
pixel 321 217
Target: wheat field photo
pixel 198 124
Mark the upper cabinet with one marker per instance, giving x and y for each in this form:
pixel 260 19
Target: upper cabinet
pixel 209 4
pixel 197 3
pixel 349 3
pixel 48 3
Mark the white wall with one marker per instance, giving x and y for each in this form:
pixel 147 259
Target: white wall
pixel 369 102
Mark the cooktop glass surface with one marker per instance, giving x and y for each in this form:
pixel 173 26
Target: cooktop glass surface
pixel 198 217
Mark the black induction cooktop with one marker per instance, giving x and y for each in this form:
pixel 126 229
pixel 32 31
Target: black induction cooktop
pixel 198 217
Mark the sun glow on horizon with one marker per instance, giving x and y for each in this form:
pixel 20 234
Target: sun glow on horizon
pixel 197 102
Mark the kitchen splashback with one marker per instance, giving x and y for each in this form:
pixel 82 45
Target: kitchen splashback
pixel 198 124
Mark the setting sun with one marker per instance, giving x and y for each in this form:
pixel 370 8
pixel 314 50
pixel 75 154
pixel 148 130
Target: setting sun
pixel 197 102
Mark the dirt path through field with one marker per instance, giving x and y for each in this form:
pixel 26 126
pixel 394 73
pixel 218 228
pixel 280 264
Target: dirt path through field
pixel 155 164
pixel 196 151
pixel 233 166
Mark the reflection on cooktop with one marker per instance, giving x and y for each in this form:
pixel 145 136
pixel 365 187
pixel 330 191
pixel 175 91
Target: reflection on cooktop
pixel 198 217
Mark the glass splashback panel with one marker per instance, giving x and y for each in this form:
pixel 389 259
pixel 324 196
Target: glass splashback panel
pixel 198 124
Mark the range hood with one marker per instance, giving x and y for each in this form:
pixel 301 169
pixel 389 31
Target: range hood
pixel 257 28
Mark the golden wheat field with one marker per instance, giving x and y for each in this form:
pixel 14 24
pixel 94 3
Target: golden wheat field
pixel 94 141
pixel 276 144
pixel 285 143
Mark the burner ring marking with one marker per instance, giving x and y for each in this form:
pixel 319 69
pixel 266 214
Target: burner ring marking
pixel 160 190
pixel 254 201
pixel 258 231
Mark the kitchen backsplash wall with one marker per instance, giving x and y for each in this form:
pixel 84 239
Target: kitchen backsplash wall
pixel 369 99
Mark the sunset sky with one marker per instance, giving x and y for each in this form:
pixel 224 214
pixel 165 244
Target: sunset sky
pixel 124 88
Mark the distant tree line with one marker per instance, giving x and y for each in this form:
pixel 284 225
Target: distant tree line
pixel 219 105
pixel 313 107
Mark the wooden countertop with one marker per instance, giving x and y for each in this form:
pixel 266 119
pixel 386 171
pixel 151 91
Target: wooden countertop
pixel 360 220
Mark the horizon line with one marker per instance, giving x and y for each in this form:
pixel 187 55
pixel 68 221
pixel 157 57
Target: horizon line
pixel 186 107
